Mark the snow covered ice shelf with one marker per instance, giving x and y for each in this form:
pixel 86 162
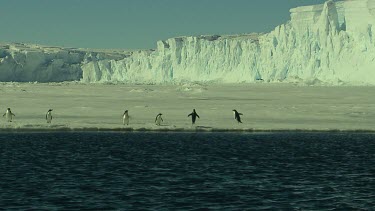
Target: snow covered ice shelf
pixel 331 43
pixel 274 106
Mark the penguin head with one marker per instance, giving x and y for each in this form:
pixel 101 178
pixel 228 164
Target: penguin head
pixel 126 111
pixel 234 110
pixel 160 114
pixel 8 109
pixel 193 109
pixel 50 110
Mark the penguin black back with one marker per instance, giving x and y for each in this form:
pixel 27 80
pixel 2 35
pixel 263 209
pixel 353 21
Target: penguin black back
pixel 237 116
pixel 194 116
pixel 159 119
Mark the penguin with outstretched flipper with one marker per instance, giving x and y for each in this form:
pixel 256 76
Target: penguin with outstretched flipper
pixel 194 116
pixel 237 116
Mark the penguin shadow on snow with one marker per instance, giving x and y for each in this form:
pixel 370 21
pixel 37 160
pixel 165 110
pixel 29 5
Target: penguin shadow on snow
pixel 159 121
pixel 201 127
pixel 50 119
pixel 194 115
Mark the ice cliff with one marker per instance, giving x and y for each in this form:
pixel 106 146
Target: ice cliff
pixel 28 62
pixel 331 43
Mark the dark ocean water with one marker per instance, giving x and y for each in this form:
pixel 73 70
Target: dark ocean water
pixel 187 171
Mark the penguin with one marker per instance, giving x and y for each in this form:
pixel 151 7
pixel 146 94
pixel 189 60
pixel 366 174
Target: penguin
pixel 237 116
pixel 49 116
pixel 194 116
pixel 125 118
pixel 9 115
pixel 158 119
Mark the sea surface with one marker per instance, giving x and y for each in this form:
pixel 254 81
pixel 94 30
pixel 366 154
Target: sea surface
pixel 187 171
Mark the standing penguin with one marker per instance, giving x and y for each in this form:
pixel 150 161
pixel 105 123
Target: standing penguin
pixel 158 119
pixel 49 116
pixel 9 115
pixel 237 116
pixel 194 116
pixel 125 118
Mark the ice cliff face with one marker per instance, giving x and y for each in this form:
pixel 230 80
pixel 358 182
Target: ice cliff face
pixel 25 62
pixel 332 43
pixel 20 62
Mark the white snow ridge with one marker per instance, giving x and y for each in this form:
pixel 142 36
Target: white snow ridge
pixel 331 43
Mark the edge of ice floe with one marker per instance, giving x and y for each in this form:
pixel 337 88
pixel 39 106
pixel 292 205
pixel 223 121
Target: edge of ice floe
pixel 196 129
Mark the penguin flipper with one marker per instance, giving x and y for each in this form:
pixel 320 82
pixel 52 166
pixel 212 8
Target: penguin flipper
pixel 4 114
pixel 240 114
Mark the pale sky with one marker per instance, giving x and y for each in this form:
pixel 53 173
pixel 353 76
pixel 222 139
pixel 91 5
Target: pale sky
pixel 135 24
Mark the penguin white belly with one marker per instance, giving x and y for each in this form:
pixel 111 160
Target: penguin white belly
pixel 158 120
pixel 49 117
pixel 9 116
pixel 125 119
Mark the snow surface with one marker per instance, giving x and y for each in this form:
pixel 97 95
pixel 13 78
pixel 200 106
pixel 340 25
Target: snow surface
pixel 331 43
pixel 266 107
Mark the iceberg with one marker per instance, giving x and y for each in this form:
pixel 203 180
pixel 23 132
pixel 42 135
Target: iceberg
pixel 332 43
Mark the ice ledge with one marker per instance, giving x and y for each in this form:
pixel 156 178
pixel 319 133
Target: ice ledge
pixel 38 129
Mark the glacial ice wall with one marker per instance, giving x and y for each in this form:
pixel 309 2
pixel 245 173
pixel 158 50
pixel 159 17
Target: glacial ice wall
pixel 332 43
pixel 27 62
pixel 21 62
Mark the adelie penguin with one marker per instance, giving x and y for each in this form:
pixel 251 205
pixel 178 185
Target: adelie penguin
pixel 49 116
pixel 194 116
pixel 237 116
pixel 158 119
pixel 125 118
pixel 9 115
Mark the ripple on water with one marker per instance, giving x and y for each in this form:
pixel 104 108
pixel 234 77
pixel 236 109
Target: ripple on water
pixel 230 171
